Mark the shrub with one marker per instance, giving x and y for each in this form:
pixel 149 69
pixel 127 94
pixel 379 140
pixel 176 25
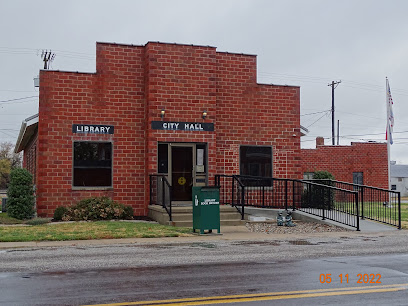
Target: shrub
pixel 127 213
pixel 317 196
pixel 97 208
pixel 59 213
pixel 323 175
pixel 20 203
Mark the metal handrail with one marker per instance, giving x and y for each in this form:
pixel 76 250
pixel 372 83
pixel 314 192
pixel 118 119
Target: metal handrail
pixel 277 192
pixel 354 185
pixel 367 207
pixel 165 183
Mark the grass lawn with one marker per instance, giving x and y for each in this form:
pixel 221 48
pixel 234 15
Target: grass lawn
pixel 377 210
pixel 404 213
pixel 5 219
pixel 85 230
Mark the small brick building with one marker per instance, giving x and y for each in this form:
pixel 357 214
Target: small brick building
pixel 360 163
pixel 185 111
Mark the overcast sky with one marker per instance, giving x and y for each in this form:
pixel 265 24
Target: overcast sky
pixel 304 43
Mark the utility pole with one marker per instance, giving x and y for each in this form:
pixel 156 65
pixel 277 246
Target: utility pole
pixel 338 131
pixel 333 85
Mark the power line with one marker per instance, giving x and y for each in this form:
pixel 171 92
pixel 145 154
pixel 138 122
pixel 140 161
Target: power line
pixel 316 113
pixel 5 133
pixel 10 90
pixel 4 101
pixel 8 50
pixel 360 135
pixel 317 120
pixel 312 79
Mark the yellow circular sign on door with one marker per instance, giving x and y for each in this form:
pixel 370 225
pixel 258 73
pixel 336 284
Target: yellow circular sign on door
pixel 181 180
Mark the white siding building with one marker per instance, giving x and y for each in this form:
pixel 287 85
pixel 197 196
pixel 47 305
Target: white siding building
pixel 399 178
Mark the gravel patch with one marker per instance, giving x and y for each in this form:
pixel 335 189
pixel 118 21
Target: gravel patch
pixel 300 228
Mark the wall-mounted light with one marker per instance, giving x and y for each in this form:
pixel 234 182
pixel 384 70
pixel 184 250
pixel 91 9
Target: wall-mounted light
pixel 204 114
pixel 162 112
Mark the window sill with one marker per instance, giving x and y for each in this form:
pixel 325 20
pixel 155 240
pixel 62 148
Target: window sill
pixel 92 188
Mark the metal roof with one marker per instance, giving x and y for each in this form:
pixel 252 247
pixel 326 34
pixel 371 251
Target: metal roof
pixel 27 131
pixel 399 170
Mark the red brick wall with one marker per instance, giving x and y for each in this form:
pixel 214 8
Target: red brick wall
pixel 252 114
pixel 342 161
pixel 130 87
pixel 30 157
pixel 182 80
pixel 112 96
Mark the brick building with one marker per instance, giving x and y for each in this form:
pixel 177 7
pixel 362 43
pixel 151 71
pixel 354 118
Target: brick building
pixel 360 163
pixel 185 111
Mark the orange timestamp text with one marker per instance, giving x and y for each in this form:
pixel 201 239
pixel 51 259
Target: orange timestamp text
pixel 361 278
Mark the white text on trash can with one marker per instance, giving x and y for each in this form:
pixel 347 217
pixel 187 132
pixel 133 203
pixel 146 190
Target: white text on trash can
pixel 210 202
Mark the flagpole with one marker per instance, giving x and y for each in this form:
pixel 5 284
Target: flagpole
pixel 388 130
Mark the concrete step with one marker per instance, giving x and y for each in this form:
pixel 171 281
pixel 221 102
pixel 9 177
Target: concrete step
pixel 222 223
pixel 189 209
pixel 182 216
pixel 223 216
pixel 186 209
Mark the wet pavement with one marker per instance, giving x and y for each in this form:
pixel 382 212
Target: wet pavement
pixel 228 233
pixel 236 262
pixel 223 278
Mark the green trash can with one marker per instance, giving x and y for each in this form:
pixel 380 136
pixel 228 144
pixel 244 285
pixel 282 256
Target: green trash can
pixel 206 208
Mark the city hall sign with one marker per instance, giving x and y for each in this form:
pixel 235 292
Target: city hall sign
pixel 182 126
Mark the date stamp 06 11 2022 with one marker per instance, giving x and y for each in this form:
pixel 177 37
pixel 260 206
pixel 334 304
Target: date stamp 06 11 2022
pixel 344 278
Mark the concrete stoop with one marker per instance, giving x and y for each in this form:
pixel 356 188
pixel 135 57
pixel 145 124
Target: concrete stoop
pixel 183 216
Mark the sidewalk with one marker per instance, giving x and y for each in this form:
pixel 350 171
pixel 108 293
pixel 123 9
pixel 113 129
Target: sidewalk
pixel 228 233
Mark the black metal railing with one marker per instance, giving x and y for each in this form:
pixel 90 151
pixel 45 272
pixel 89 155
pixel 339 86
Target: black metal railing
pixel 329 202
pixel 233 194
pixel 160 192
pixel 377 204
pixel 322 200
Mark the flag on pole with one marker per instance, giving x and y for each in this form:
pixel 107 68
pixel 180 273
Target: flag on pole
pixel 390 114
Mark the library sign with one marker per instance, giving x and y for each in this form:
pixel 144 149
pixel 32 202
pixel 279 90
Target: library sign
pixel 92 129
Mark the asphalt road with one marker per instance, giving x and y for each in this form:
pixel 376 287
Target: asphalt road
pixel 269 272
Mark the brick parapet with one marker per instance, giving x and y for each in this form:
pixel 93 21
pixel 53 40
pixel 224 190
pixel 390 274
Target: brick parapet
pixel 342 161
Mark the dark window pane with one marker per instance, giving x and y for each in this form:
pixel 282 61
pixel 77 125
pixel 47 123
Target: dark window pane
pixel 256 161
pixel 308 175
pixel 92 164
pixel 358 178
pixel 162 159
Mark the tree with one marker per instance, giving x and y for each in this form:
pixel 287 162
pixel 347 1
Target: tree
pixel 8 161
pixel 5 168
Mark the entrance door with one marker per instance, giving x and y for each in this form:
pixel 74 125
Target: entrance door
pixel 182 172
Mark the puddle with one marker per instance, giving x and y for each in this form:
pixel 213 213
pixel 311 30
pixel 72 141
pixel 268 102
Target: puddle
pixel 327 242
pixel 258 243
pixel 203 245
pixel 154 246
pixel 301 242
